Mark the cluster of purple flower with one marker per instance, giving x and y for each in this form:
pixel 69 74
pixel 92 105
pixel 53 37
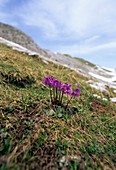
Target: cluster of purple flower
pixel 65 88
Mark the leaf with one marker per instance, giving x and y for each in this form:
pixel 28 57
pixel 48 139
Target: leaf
pixel 59 114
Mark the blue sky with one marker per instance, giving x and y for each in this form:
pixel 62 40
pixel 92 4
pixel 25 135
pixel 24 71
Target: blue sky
pixel 81 28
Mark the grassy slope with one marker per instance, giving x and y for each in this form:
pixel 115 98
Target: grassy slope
pixel 83 61
pixel 86 62
pixel 34 136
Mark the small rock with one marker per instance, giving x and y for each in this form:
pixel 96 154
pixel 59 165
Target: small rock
pixel 51 112
pixel 63 162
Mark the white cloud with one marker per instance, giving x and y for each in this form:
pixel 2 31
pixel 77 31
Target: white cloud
pixel 105 46
pixel 88 50
pixel 74 18
pixel 92 39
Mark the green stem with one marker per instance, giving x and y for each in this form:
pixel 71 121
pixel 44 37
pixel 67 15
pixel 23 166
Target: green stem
pixel 68 102
pixel 51 97
pixel 56 93
pixel 61 97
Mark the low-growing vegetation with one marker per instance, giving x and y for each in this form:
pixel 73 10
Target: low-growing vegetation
pixel 85 62
pixel 36 133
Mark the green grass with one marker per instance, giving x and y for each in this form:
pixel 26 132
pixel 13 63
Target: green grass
pixel 85 62
pixel 34 135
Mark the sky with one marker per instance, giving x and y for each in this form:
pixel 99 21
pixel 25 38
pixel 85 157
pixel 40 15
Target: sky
pixel 81 28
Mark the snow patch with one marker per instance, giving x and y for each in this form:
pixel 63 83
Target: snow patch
pixel 98 87
pixel 108 69
pixel 113 99
pixel 99 97
pixel 17 47
pixel 45 62
pixel 104 81
pixel 114 91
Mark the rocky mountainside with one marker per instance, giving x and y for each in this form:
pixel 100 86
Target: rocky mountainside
pixel 15 35
pixel 12 34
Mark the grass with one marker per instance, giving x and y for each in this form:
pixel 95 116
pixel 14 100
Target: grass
pixel 83 61
pixel 34 135
pixel 86 62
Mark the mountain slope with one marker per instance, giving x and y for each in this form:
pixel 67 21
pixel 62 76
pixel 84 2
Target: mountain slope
pixel 102 78
pixel 38 135
pixel 15 35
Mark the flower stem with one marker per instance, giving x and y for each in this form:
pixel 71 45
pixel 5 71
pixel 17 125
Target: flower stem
pixel 56 94
pixel 51 97
pixel 61 97
pixel 68 102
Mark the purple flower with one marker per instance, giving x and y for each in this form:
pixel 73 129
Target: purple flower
pixel 56 83
pixel 76 92
pixel 55 86
pixel 65 87
pixel 48 80
pixel 78 85
pixel 68 92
